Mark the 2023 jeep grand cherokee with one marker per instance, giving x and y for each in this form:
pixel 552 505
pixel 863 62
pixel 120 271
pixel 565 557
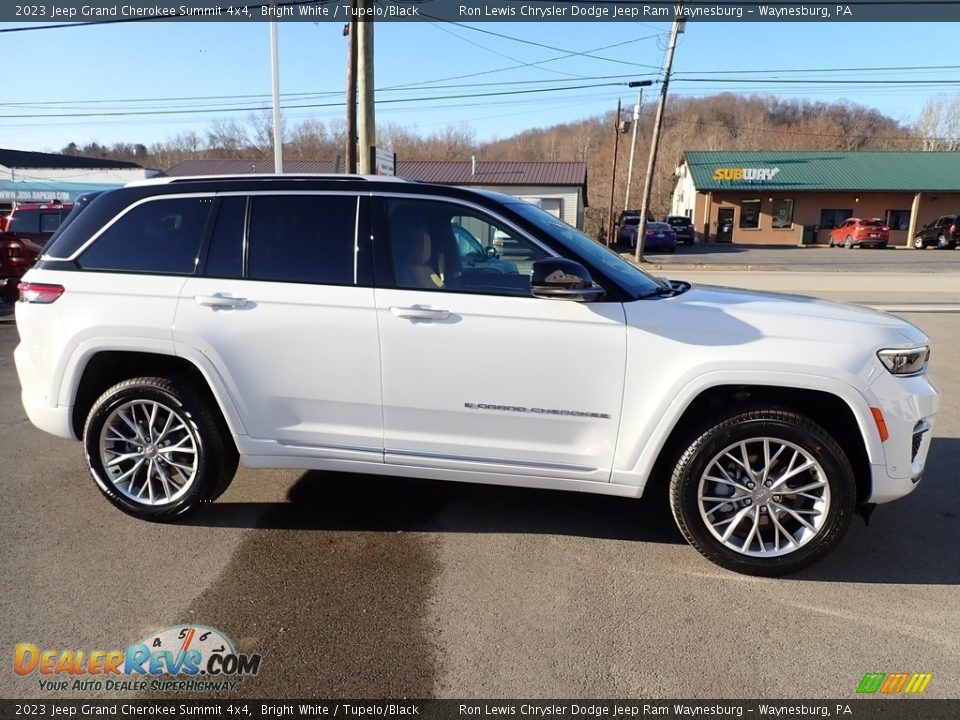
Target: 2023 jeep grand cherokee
pixel 177 326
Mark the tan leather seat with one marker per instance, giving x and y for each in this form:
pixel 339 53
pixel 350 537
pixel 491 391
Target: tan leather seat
pixel 412 249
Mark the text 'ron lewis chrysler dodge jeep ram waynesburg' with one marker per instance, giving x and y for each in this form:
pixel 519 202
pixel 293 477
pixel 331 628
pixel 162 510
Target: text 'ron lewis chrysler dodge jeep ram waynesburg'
pixel 178 326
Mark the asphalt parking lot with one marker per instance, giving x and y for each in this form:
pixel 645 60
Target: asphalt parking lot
pixel 379 587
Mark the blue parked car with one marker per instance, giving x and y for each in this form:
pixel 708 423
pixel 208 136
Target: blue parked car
pixel 659 237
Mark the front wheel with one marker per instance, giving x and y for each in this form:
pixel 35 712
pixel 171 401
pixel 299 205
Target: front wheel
pixel 156 450
pixel 763 492
pixel 918 243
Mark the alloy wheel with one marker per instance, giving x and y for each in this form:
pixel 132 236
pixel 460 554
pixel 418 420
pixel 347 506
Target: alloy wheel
pixel 149 451
pixel 764 497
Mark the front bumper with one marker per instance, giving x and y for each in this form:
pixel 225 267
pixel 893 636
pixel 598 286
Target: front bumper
pixel 908 406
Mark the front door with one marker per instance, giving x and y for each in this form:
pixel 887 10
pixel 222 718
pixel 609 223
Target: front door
pixel 478 373
pixel 725 225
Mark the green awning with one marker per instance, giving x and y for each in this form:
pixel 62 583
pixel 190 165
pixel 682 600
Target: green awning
pixel 825 171
pixel 47 190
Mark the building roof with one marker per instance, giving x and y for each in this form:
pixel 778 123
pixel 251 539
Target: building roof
pixel 25 159
pixel 825 171
pixel 441 172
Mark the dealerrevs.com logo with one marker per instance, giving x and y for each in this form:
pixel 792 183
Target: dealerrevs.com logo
pixel 177 659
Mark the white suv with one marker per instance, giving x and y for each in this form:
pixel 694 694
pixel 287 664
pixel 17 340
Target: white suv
pixel 179 326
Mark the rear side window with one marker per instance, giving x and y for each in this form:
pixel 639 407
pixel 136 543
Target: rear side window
pixel 159 236
pixel 302 239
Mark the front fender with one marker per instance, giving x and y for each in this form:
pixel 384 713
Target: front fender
pixel 640 444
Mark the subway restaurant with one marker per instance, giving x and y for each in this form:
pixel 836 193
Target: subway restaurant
pixel 797 198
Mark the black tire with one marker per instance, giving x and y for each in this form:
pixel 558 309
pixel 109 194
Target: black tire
pixel 216 453
pixel 918 243
pixel 942 242
pixel 759 422
pixel 848 243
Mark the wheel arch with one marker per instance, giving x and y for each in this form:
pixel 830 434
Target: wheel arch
pixel 102 368
pixel 839 414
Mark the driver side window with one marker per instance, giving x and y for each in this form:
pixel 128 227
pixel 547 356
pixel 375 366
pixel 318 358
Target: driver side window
pixel 444 246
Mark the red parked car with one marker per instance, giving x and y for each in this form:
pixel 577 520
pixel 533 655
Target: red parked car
pixel 25 232
pixel 861 232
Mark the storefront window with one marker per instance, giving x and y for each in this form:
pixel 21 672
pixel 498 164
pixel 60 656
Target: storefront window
pixel 750 214
pixel 830 219
pixel 782 214
pixel 898 219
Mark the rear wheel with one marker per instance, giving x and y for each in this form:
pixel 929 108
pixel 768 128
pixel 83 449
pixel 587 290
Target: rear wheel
pixel 848 243
pixel 155 450
pixel 763 492
pixel 942 242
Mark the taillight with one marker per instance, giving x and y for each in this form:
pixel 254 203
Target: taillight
pixel 953 228
pixel 885 229
pixel 39 292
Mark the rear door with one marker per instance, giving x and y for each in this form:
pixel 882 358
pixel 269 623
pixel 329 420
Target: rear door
pixel 284 313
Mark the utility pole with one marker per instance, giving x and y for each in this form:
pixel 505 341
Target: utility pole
pixel 613 173
pixel 366 121
pixel 277 129
pixel 350 30
pixel 633 142
pixel 678 25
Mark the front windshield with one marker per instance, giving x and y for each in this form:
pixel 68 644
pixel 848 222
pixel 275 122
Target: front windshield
pixel 634 280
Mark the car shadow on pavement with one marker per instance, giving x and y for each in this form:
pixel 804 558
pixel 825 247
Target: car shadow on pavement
pixel 913 540
pixel 350 502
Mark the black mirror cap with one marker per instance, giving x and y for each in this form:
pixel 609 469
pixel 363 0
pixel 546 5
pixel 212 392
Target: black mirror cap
pixel 560 278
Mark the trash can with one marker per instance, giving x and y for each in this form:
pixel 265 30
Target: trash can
pixel 809 236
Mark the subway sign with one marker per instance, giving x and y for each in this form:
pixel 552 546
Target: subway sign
pixel 748 174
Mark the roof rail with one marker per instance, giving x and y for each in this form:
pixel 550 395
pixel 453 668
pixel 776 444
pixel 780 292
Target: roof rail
pixel 266 176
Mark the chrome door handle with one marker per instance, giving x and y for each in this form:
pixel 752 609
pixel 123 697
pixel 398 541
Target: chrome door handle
pixel 219 300
pixel 420 313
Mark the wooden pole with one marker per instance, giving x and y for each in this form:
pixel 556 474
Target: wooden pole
pixel 613 173
pixel 366 117
pixel 350 30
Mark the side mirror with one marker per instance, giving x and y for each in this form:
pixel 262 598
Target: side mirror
pixel 563 279
pixel 492 252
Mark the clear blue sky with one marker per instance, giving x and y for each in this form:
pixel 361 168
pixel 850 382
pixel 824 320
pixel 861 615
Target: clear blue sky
pixel 165 60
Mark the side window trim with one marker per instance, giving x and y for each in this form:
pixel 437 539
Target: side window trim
pixel 245 247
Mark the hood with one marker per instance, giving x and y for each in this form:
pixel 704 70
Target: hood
pixel 738 313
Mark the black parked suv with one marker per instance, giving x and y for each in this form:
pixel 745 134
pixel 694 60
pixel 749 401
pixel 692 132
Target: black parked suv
pixel 682 226
pixel 942 233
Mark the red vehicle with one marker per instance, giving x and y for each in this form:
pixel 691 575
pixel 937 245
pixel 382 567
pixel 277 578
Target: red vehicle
pixel 25 232
pixel 861 232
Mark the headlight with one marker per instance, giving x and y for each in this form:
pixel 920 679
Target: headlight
pixel 909 361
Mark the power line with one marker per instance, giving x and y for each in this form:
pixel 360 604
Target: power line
pixel 566 54
pixel 315 105
pixel 496 52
